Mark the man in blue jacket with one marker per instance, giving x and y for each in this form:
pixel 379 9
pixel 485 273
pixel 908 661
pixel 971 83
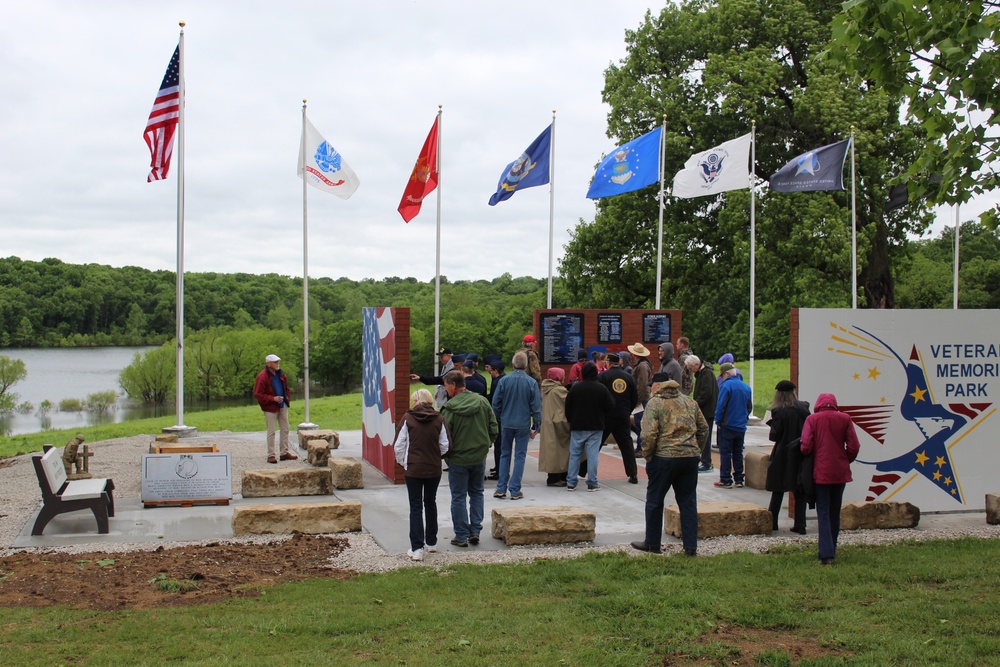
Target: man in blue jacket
pixel 732 410
pixel 517 403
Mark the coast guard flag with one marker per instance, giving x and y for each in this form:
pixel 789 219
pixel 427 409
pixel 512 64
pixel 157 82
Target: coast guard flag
pixel 629 167
pixel 325 168
pixel 162 122
pixel 423 178
pixel 716 170
pixel 820 169
pixel 527 171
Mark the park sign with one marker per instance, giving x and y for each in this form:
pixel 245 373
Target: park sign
pixel 922 387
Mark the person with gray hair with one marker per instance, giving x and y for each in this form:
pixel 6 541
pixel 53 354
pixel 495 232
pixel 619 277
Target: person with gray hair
pixel 705 394
pixel 517 403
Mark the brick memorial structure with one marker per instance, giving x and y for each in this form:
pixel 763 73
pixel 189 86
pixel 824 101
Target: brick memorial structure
pixel 385 342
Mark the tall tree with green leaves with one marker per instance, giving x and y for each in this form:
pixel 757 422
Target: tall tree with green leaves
pixel 940 57
pixel 714 69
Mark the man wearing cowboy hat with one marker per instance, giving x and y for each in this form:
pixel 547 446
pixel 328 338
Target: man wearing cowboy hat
pixel 642 371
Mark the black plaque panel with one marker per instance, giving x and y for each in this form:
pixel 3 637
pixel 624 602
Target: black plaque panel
pixel 562 337
pixel 609 328
pixel 656 328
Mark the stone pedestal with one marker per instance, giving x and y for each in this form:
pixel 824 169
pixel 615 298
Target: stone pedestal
pixel 855 515
pixel 993 508
pixel 725 518
pixel 755 465
pixel 331 437
pixel 319 452
pixel 346 473
pixel 290 482
pixel 543 525
pixel 311 519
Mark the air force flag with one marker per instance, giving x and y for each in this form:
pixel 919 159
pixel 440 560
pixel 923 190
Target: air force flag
pixel 820 169
pixel 527 171
pixel 629 167
pixel 325 168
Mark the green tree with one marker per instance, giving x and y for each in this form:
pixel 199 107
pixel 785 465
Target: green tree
pixel 941 57
pixel 335 360
pixel 713 69
pixel 151 376
pixel 928 280
pixel 12 371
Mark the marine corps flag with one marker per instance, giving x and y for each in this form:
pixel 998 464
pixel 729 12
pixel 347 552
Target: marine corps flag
pixel 819 169
pixel 424 177
pixel 527 171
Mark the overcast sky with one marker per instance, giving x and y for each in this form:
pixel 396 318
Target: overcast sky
pixel 79 80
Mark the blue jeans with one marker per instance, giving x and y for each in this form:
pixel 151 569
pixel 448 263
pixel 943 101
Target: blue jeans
pixel 829 498
pixel 578 442
pixel 466 481
pixel 516 439
pixel 731 455
pixel 423 507
pixel 682 474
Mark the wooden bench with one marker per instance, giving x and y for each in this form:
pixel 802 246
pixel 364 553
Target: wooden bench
pixel 60 496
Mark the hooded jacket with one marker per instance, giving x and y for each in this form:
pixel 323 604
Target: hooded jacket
pixel 672 426
pixel 588 403
pixel 829 435
pixel 421 442
pixel 669 365
pixel 472 427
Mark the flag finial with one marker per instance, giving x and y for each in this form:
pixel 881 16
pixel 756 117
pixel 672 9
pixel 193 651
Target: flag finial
pixel 182 23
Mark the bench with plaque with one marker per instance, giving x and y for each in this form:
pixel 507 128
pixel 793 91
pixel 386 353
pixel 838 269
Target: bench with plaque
pixel 187 479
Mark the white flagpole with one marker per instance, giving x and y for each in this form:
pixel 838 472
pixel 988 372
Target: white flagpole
pixel 958 224
pixel 305 281
pixel 659 230
pixel 753 245
pixel 552 201
pixel 180 427
pixel 854 230
pixel 437 261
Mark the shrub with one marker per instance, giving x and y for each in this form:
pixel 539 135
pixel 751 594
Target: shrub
pixel 102 401
pixel 71 405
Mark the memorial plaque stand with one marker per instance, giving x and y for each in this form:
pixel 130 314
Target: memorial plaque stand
pixel 186 479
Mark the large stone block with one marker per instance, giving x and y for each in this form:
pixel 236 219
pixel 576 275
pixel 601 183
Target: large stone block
pixel 724 518
pixel 310 518
pixel 287 482
pixel 319 452
pixel 166 437
pixel 993 508
pixel 331 437
pixel 755 465
pixel 855 515
pixel 543 525
pixel 346 473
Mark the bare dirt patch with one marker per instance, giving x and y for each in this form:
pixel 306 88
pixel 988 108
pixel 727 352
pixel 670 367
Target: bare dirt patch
pixel 744 646
pixel 164 577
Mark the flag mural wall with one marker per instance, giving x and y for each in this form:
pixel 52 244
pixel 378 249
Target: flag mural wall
pixel 922 389
pixel 385 342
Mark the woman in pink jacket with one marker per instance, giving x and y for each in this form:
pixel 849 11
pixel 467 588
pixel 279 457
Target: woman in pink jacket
pixel 829 435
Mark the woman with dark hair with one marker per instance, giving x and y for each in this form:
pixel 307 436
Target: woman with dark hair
pixel 788 414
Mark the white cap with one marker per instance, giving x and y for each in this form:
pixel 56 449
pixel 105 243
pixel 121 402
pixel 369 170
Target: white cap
pixel 272 357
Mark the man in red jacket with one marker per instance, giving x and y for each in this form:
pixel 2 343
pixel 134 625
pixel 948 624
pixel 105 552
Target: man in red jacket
pixel 271 391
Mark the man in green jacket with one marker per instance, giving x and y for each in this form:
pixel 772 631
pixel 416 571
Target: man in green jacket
pixel 473 428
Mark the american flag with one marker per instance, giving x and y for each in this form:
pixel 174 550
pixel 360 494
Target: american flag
pixel 162 121
pixel 378 377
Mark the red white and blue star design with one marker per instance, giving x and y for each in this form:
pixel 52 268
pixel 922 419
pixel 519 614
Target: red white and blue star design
pixel 378 377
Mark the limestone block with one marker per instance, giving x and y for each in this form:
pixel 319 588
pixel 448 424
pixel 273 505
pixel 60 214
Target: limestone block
pixel 346 473
pixel 319 452
pixel 309 518
pixel 755 465
pixel 993 508
pixel 543 525
pixel 724 518
pixel 855 515
pixel 167 437
pixel 331 437
pixel 287 482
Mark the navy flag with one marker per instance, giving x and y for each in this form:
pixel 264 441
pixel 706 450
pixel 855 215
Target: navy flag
pixel 820 169
pixel 629 167
pixel 527 171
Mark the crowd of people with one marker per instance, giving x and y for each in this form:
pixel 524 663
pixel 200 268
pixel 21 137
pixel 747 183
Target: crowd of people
pixel 671 410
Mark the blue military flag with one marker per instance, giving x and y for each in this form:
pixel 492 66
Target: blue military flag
pixel 629 167
pixel 527 171
pixel 820 169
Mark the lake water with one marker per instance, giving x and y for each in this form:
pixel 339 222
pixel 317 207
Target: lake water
pixel 60 373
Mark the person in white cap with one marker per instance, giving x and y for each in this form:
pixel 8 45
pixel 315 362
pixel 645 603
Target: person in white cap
pixel 271 391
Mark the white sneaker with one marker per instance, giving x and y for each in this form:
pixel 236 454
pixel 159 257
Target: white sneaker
pixel 431 548
pixel 415 555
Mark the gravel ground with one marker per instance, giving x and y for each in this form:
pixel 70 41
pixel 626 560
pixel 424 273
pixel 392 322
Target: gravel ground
pixel 20 497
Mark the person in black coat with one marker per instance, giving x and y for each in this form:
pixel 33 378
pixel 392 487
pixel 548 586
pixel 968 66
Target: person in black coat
pixel 788 414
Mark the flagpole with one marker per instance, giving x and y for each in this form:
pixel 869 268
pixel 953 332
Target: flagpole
pixel 180 428
pixel 552 201
pixel 954 300
pixel 753 246
pixel 854 230
pixel 306 425
pixel 659 230
pixel 437 261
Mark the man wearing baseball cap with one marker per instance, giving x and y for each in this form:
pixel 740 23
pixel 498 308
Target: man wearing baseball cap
pixel 534 368
pixel 271 391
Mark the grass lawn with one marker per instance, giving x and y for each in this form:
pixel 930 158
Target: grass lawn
pixel 908 604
